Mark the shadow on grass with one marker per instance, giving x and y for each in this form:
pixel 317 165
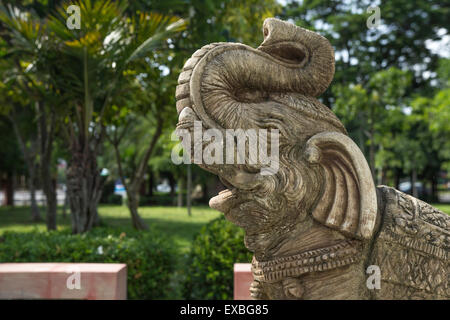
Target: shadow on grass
pixel 182 232
pixel 19 219
pixel 170 221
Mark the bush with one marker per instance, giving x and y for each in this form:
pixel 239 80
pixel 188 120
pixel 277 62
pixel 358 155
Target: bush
pixel 149 257
pixel 215 249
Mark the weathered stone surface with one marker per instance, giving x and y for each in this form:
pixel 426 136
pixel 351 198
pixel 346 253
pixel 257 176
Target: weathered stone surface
pixel 318 222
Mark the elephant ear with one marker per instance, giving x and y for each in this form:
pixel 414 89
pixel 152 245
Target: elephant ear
pixel 348 201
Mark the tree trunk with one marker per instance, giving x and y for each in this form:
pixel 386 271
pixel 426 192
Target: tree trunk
pixel 397 178
pixel 434 189
pixel 45 128
pixel 205 196
pixel 172 188
pixel 66 201
pixel 132 188
pixel 50 195
pixel 133 204
pixel 372 142
pixel 180 193
pixel 84 187
pixel 35 213
pixel 361 134
pixel 384 176
pixel 413 183
pixel 9 189
pixel 189 189
pixel 29 157
pixel 151 181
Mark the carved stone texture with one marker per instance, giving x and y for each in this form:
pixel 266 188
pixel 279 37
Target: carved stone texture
pixel 318 222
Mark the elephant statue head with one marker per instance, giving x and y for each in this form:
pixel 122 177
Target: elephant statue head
pixel 313 215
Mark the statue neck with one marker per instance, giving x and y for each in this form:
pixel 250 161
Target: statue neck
pixel 343 253
pixel 305 235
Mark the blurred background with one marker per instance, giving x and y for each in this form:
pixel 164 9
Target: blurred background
pixel 87 109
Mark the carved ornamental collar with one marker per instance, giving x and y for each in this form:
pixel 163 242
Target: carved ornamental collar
pixel 322 259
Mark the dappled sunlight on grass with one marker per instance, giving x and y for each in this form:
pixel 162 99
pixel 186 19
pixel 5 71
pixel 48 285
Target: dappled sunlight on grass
pixel 172 221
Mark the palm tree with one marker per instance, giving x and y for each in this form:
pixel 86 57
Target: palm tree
pixel 88 68
pixel 26 42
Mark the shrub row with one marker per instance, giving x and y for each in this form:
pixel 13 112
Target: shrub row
pixel 209 271
pixel 149 256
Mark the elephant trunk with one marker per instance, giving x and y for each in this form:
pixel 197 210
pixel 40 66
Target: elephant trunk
pixel 223 79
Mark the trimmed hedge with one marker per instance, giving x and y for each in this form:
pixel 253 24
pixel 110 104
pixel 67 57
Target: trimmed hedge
pixel 149 257
pixel 209 273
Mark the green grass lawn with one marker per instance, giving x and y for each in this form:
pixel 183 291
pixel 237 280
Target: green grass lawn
pixel 172 221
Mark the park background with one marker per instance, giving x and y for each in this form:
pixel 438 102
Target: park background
pixel 86 117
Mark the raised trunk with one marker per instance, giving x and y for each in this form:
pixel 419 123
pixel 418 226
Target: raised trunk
pixel 221 82
pixel 286 61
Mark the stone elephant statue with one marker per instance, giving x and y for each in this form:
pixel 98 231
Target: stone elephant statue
pixel 316 223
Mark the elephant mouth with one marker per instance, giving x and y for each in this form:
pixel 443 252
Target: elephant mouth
pixel 287 53
pixel 240 209
pixel 225 199
pixel 231 202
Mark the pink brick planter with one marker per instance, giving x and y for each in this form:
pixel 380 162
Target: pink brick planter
pixel 92 281
pixel 242 280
